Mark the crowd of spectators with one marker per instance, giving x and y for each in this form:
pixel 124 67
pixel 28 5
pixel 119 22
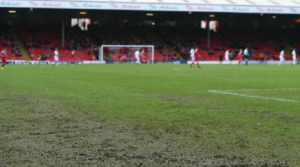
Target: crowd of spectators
pixel 77 40
pixel 35 42
pixel 8 42
pixel 43 44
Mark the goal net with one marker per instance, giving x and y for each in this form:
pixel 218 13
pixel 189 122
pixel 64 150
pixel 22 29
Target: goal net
pixel 126 53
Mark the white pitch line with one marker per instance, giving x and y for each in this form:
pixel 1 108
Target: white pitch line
pixel 252 96
pixel 283 89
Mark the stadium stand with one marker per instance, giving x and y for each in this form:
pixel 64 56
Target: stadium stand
pixel 13 51
pixel 259 42
pixel 43 40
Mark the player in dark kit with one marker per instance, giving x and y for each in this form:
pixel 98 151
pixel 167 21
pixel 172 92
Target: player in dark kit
pixel 3 56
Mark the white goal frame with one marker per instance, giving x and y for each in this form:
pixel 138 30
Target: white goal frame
pixel 141 46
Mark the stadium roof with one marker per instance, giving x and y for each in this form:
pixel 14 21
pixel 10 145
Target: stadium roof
pixel 287 3
pixel 226 6
pixel 281 3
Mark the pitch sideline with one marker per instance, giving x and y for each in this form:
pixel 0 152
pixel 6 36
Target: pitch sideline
pixel 252 96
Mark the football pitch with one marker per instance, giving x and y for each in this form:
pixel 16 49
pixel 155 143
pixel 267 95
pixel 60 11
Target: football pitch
pixel 150 115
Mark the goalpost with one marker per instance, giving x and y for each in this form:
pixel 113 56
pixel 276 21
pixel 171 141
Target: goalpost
pixel 120 52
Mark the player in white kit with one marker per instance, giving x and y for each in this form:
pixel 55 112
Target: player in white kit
pixel 227 55
pixel 281 57
pixel 137 57
pixel 56 58
pixel 294 56
pixel 192 54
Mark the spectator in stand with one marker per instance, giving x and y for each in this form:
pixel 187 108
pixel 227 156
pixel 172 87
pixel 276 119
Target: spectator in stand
pixel 251 51
pixel 13 50
pixel 89 51
pixel 18 54
pixel 29 44
pixel 36 46
pixel 53 47
pixel 175 56
pixel 48 54
pixel 14 44
pixel 8 43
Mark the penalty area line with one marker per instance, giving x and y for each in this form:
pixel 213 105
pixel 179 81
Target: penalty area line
pixel 252 96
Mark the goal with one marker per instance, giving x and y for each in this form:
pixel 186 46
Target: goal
pixel 125 53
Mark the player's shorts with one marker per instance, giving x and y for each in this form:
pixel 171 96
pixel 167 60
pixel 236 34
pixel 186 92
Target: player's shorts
pixel 192 58
pixel 56 58
pixel 3 61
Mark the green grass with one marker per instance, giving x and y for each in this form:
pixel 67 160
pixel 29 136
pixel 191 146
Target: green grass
pixel 173 98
